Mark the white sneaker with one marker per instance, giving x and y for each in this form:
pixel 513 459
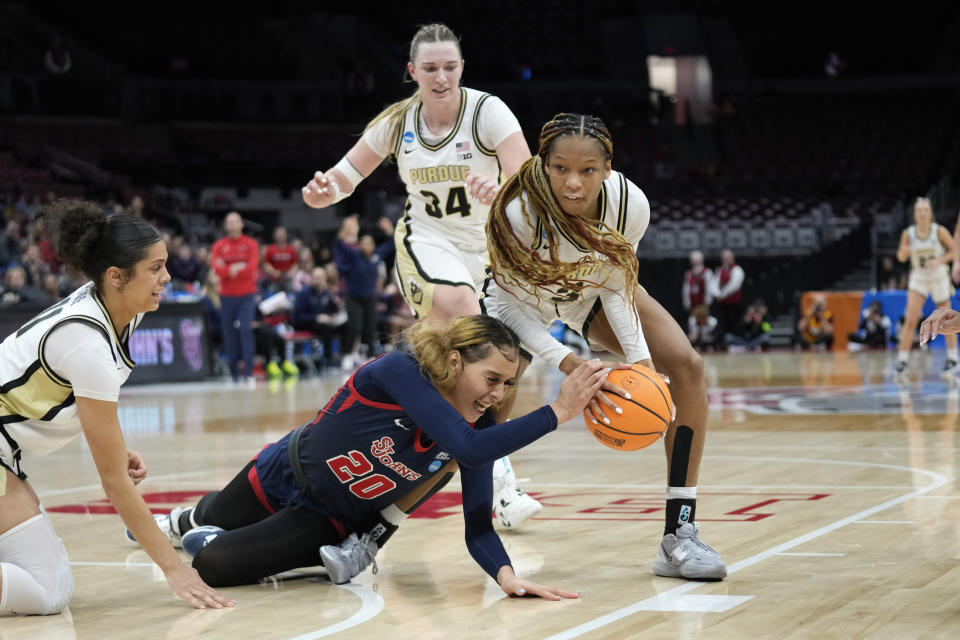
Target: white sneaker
pixel 685 555
pixel 513 507
pixel 169 524
pixel 503 475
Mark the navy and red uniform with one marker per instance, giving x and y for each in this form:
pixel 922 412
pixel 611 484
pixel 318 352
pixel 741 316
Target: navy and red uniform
pixel 386 431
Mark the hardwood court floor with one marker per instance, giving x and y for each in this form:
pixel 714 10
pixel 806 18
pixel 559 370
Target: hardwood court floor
pixel 829 491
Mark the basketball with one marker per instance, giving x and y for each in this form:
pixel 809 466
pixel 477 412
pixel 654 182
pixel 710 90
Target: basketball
pixel 645 415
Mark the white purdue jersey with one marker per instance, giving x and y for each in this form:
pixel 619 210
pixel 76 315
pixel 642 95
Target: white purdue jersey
pixel 624 208
pixel 435 174
pixel 925 250
pixel 38 412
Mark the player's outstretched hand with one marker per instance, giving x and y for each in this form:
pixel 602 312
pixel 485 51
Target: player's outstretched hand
pixel 515 586
pixel 482 188
pixel 318 193
pixel 581 385
pixel 942 321
pixel 187 584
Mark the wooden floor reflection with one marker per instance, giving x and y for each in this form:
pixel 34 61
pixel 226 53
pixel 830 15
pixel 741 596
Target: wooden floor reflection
pixel 829 490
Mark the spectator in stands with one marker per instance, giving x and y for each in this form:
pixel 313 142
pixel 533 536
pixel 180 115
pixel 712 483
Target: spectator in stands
pixel 334 281
pixel 235 258
pixel 51 285
pixel 727 285
pixel 890 275
pixel 210 299
pixel 364 271
pixel 32 262
pixel 135 207
pixel 304 274
pixel 280 261
pixel 696 283
pixel 393 314
pixel 16 290
pixel 11 247
pixel 815 327
pixel 701 328
pixel 324 256
pixel 47 250
pixel 184 267
pixel 754 332
pixel 318 310
pixel 874 329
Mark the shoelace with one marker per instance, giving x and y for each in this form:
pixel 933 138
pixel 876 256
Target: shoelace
pixel 366 555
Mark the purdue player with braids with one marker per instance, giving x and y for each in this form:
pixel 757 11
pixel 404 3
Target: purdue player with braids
pixel 452 145
pixel 61 375
pixel 562 235
pixel 391 427
pixel 928 247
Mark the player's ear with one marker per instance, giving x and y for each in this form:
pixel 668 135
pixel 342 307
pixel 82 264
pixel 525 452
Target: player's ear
pixel 455 362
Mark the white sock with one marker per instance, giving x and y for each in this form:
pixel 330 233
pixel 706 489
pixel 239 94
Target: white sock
pixel 952 354
pixel 688 493
pixel 393 514
pixel 903 356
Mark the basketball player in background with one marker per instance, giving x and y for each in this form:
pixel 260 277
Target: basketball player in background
pixel 928 247
pixel 451 145
pixel 61 375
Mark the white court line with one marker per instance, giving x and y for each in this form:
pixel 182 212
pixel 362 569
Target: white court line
pixel 938 480
pixel 535 485
pixel 884 522
pixel 370 605
pixel 812 555
pixel 168 476
pixel 114 564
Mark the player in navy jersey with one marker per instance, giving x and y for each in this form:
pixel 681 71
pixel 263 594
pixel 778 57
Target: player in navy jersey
pixel 394 425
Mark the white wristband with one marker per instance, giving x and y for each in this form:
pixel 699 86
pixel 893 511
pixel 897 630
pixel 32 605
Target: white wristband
pixel 348 171
pixel 338 195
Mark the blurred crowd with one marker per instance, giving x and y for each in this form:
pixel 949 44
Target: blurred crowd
pixel 275 307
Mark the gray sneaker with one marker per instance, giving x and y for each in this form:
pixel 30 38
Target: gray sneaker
pixel 169 524
pixel 350 558
pixel 685 555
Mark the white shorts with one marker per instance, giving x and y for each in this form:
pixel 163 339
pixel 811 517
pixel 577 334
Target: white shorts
pixel 426 259
pixel 576 315
pixel 937 287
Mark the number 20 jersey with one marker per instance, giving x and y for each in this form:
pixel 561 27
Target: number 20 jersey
pixel 435 174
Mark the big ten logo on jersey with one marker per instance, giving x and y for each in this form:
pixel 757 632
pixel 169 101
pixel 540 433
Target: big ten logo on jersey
pixel 463 151
pixel 443 173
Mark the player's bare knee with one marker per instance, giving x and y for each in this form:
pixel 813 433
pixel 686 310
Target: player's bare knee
pixel 687 370
pixel 457 301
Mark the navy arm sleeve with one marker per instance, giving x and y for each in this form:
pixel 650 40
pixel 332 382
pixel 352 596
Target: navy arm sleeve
pixel 400 377
pixel 482 541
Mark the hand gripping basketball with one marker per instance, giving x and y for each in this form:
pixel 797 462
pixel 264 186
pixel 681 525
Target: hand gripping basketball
pixel 643 417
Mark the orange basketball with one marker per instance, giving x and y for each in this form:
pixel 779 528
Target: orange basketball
pixel 645 415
